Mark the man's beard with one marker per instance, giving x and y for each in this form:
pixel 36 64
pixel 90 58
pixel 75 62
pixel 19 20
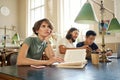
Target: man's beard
pixel 73 40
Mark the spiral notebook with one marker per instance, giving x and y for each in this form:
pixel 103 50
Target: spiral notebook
pixel 74 58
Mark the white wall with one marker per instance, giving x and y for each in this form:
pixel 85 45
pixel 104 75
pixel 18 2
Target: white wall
pixel 11 19
pixel 17 17
pixel 51 11
pixel 22 21
pixel 117 7
pixel 117 15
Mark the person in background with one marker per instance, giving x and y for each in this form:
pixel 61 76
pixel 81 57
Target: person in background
pixel 89 42
pixel 33 47
pixel 67 42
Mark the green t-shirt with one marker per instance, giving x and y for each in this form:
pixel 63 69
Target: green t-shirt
pixel 36 47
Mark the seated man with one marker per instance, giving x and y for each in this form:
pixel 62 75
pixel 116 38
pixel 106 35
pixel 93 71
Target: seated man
pixel 89 40
pixel 67 42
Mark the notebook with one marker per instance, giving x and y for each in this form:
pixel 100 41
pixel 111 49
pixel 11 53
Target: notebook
pixel 74 58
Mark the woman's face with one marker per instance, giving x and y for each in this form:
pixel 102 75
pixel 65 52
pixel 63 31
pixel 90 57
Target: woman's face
pixel 44 30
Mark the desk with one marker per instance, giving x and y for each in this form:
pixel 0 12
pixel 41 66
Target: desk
pixel 103 71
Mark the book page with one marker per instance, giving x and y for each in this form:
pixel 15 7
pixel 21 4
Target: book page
pixel 75 55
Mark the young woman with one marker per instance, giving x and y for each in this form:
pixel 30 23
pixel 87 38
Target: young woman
pixel 33 47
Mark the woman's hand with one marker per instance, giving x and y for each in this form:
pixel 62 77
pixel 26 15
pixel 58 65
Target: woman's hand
pixel 54 59
pixel 48 37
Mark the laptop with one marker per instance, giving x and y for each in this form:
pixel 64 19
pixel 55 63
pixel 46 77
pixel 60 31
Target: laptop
pixel 74 58
pixel 117 54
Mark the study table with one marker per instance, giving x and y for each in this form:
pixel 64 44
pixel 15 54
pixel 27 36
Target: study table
pixel 103 71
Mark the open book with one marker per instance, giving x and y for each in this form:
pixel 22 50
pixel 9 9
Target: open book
pixel 74 58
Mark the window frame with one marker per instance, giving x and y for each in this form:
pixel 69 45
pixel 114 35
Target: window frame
pixel 29 13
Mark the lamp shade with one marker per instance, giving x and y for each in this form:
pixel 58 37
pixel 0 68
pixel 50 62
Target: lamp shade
pixel 114 26
pixel 86 15
pixel 15 38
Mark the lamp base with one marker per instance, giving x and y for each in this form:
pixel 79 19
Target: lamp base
pixel 3 56
pixel 103 59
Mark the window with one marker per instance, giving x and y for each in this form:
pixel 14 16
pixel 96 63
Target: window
pixel 69 11
pixel 36 11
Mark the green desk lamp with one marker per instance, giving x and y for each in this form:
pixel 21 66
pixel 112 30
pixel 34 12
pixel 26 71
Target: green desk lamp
pixel 114 26
pixel 87 16
pixel 15 38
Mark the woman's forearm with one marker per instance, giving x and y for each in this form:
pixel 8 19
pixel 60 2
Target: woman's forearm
pixel 49 51
pixel 23 60
pixel 28 61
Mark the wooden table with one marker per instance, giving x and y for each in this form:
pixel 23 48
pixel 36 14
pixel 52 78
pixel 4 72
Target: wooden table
pixel 103 71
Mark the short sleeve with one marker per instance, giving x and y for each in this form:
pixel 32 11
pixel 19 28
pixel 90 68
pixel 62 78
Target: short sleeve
pixel 94 46
pixel 61 42
pixel 80 44
pixel 28 41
